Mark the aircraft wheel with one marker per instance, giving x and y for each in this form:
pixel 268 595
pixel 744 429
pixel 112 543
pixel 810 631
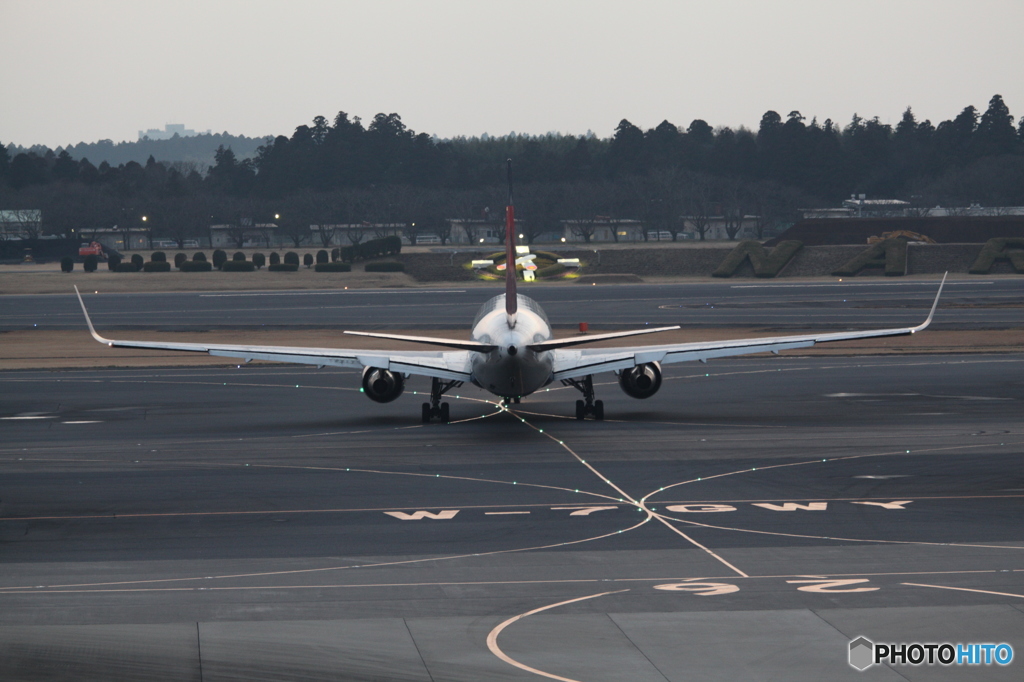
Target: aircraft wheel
pixel 426 413
pixel 444 413
pixel 599 410
pixel 581 410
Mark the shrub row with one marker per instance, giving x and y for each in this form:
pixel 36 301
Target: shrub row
pixel 385 266
pixel 890 254
pixel 766 263
pixel 550 271
pixel 238 263
pixel 1001 248
pixel 374 248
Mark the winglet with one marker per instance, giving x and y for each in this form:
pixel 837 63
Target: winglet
pixel 924 325
pixel 511 298
pixel 92 330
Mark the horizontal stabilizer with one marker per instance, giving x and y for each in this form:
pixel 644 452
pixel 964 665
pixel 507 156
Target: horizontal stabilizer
pixel 431 341
pixel 580 340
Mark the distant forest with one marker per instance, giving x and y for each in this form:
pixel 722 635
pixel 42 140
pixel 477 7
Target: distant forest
pixel 194 149
pixel 671 178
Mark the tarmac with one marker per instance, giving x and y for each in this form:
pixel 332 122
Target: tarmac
pixel 747 522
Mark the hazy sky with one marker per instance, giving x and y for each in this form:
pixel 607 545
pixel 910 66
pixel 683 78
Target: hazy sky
pixel 86 70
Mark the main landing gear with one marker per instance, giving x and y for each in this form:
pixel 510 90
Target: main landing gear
pixel 435 408
pixel 588 406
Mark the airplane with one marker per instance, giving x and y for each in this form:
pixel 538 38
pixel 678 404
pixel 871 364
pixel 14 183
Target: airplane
pixel 511 352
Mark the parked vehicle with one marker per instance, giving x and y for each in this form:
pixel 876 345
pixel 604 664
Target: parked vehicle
pixel 92 249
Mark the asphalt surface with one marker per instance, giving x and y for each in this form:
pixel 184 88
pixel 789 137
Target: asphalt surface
pixel 972 303
pixel 747 522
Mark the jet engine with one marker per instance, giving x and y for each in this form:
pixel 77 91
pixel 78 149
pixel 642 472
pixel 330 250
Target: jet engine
pixel 641 381
pixel 382 385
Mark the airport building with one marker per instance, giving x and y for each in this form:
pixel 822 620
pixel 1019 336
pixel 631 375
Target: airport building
pixel 169 131
pixel 20 223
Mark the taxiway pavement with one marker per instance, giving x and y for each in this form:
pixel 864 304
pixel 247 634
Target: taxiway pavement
pixel 747 522
pixel 967 303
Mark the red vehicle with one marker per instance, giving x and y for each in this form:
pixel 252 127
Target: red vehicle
pixel 92 249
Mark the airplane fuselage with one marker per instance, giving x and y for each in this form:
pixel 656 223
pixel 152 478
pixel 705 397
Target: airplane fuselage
pixel 512 370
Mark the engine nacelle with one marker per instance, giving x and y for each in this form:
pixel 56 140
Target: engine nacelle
pixel 382 385
pixel 641 381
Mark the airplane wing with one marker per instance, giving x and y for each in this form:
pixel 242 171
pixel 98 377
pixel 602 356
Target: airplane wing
pixel 572 364
pixel 448 365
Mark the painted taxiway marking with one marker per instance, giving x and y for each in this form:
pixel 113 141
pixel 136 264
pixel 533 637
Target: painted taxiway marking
pixel 343 292
pixel 701 589
pixel 420 515
pixel 578 510
pixel 829 586
pixel 322 569
pixel 626 497
pixel 268 512
pixel 669 584
pixel 492 636
pixel 585 511
pixel 967 589
pixel 846 285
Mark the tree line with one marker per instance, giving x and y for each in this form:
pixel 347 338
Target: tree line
pixel 196 149
pixel 669 177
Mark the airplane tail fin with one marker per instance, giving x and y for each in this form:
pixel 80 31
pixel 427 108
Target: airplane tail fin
pixel 511 298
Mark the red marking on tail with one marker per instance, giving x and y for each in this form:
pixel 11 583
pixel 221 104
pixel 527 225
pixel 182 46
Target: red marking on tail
pixel 511 301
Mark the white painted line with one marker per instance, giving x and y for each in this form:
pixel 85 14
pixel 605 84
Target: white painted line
pixel 868 395
pixel 26 417
pixel 967 589
pixel 844 284
pixel 333 293
pixel 84 421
